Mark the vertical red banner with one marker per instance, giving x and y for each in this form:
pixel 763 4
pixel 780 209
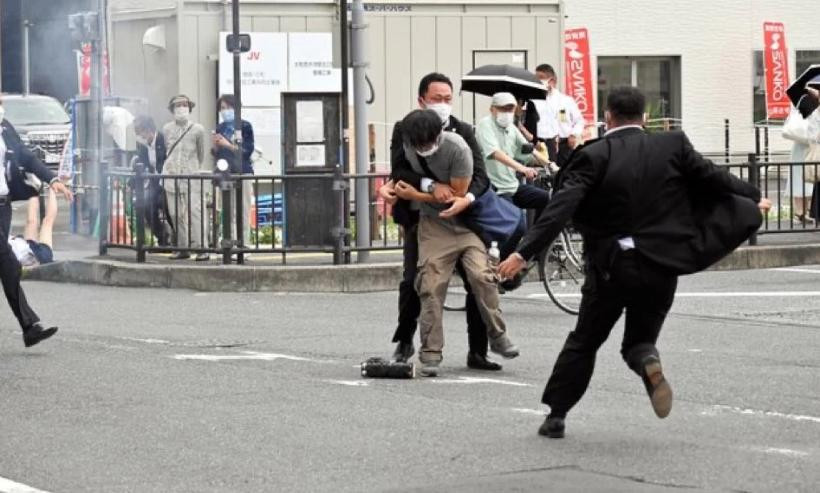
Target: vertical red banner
pixel 776 66
pixel 578 78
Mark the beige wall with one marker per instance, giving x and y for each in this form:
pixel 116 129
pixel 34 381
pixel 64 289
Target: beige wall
pixel 401 47
pixel 715 40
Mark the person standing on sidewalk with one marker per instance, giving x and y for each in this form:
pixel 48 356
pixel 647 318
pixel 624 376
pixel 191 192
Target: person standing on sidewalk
pixel 560 122
pixel 640 201
pixel 444 239
pixel 224 146
pixel 186 143
pixel 15 161
pixel 435 92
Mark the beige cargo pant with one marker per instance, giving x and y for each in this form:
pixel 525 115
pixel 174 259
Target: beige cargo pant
pixel 441 245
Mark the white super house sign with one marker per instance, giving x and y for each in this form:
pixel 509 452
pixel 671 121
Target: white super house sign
pixel 280 62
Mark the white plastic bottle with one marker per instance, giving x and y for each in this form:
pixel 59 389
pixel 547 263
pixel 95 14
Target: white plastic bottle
pixel 494 253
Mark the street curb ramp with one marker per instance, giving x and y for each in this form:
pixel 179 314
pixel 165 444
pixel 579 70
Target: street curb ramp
pixel 324 279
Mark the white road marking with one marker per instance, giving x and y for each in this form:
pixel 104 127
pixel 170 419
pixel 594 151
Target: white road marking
pixel 473 380
pixel 246 355
pixel 756 412
pixel 728 294
pixel 695 350
pixel 351 383
pixel 522 410
pixel 147 341
pixel 795 269
pixel 9 486
pixel 782 451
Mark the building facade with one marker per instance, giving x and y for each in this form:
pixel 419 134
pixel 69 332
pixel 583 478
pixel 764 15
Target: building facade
pixel 406 39
pixel 699 61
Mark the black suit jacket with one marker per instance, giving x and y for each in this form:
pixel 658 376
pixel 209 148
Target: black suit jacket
pixel 400 168
pixel 682 211
pixel 142 153
pixel 20 160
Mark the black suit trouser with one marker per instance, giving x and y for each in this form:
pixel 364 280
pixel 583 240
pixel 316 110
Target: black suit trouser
pixel 528 197
pixel 11 272
pixel 558 151
pixel 633 284
pixel 410 305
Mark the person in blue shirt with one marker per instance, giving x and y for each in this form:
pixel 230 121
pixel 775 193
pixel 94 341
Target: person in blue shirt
pixel 225 146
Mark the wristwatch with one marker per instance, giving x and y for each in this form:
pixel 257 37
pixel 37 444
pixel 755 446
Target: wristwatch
pixel 431 187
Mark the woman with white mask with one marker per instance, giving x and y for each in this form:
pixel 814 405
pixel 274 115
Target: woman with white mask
pixel 186 143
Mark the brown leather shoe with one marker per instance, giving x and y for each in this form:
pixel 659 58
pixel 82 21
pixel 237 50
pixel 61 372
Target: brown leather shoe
pixel 659 390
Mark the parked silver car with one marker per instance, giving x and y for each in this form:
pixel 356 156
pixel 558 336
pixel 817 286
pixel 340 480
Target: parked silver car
pixel 42 123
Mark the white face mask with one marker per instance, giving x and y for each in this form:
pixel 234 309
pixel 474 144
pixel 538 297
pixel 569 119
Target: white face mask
pixel 504 119
pixel 443 110
pixel 429 152
pixel 181 113
pixel 2 113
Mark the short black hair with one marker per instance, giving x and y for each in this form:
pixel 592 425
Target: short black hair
pixel 228 99
pixel 428 79
pixel 144 122
pixel 421 128
pixel 546 68
pixel 626 103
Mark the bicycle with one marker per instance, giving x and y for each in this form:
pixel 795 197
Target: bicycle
pixel 561 267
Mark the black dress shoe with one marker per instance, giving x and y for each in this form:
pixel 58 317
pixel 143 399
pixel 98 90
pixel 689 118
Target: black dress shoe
pixel 553 427
pixel 480 362
pixel 404 351
pixel 659 390
pixel 36 333
pixel 179 256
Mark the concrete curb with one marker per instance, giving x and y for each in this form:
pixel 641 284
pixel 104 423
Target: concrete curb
pixel 324 279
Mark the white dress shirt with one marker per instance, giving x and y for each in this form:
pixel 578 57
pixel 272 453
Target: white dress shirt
pixel 559 116
pixel 4 185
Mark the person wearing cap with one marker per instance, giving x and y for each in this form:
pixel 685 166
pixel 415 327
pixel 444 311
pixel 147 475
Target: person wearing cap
pixel 444 239
pixel 501 145
pixel 186 142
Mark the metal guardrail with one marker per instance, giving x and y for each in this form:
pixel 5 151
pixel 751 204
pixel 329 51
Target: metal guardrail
pixel 313 213
pixel 205 211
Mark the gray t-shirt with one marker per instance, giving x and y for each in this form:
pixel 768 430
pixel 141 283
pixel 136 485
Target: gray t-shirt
pixel 453 159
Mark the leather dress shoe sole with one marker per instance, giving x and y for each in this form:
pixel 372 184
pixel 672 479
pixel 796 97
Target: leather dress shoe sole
pixel 660 392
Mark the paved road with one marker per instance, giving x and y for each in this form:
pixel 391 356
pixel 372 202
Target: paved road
pixel 176 391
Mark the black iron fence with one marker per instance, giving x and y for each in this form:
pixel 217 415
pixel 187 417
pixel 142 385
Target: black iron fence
pixel 233 216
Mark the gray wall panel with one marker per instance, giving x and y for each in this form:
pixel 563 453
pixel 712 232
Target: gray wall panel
pixel 449 55
pixel 474 37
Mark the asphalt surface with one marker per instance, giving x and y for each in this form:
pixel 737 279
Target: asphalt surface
pixel 177 391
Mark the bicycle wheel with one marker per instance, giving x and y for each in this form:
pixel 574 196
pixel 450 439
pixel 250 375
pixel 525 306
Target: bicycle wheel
pixel 561 269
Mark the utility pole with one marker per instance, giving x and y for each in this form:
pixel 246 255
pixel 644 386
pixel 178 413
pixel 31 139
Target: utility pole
pixel 360 114
pixel 345 62
pixel 26 56
pixel 237 92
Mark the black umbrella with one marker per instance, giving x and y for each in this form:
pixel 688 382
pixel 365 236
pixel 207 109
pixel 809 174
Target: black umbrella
pixel 811 77
pixel 490 79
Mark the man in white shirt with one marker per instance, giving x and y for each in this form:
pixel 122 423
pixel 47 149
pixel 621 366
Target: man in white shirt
pixel 560 123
